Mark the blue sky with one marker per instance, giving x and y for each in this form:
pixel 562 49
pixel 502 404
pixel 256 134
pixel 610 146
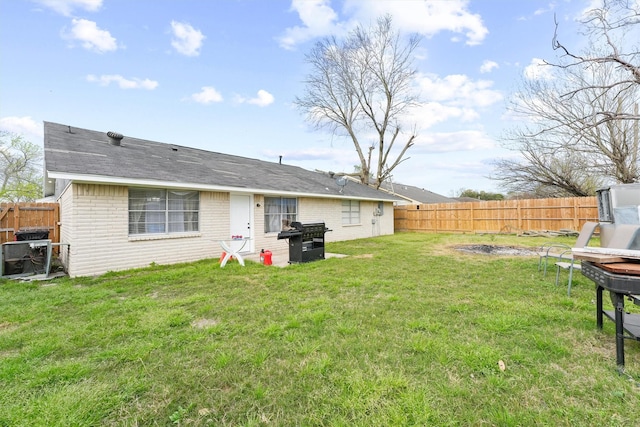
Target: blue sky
pixel 222 75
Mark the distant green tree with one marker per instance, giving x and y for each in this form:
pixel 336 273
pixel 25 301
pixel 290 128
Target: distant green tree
pixel 20 169
pixel 480 195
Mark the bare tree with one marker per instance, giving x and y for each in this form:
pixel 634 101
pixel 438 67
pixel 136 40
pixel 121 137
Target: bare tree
pixel 565 150
pixel 610 24
pixel 582 128
pixel 359 87
pixel 20 169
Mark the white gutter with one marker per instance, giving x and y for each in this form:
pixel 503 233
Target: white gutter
pixel 102 179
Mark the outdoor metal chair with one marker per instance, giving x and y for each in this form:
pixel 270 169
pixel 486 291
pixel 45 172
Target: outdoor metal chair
pixel 555 252
pixel 567 265
pixel 565 259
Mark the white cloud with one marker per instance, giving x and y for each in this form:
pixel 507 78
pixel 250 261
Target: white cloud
pixel 488 66
pixel 187 40
pixel 207 95
pixel 445 142
pixel 123 83
pixel 90 36
pixel 424 17
pixel 25 126
pixel 318 19
pixel 429 114
pixel 263 99
pixel 541 11
pixel 66 7
pixel 459 90
pixel 538 70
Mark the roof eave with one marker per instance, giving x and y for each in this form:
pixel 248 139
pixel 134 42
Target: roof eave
pixel 101 179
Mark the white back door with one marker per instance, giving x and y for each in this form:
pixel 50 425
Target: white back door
pixel 240 223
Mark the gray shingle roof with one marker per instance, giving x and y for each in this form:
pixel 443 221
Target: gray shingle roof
pixel 86 155
pixel 416 194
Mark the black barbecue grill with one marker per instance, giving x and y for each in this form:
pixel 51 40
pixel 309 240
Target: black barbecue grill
pixel 306 241
pixel 619 221
pixel 620 286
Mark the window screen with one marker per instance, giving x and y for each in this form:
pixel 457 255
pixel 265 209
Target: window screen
pixel 350 212
pixel 163 211
pixel 277 211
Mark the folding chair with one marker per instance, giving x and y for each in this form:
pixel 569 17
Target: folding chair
pixel 553 251
pixel 566 260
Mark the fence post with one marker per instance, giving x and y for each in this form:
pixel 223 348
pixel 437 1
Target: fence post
pixel 473 218
pixel 56 223
pixel 16 218
pixel 519 213
pixel 435 218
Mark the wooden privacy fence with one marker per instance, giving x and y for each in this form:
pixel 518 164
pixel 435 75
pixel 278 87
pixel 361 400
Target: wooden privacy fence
pixel 497 216
pixel 29 217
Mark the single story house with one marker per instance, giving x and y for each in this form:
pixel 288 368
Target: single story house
pixel 127 202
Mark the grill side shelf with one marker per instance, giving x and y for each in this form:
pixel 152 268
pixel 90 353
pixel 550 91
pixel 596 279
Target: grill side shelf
pixel 627 285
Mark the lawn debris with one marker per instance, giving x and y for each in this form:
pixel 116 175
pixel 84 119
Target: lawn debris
pixel 549 233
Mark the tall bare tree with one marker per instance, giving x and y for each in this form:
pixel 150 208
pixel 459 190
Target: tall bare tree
pixel 613 24
pixel 360 87
pixel 20 169
pixel 562 151
pixel 582 123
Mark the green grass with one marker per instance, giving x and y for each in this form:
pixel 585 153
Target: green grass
pixel 406 331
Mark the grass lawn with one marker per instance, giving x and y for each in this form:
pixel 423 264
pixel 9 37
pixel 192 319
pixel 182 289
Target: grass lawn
pixel 405 331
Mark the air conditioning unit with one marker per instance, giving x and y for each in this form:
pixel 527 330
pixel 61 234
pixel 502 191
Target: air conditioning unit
pixel 25 258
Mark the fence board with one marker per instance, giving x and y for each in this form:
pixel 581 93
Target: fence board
pixel 498 216
pixel 29 216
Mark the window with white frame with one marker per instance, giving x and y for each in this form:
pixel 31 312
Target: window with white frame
pixel 153 210
pixel 350 212
pixel 279 211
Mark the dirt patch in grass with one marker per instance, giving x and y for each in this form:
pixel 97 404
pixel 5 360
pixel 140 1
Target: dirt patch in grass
pixel 496 250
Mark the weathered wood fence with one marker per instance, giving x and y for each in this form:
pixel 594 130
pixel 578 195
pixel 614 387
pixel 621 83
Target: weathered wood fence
pixel 499 216
pixel 29 217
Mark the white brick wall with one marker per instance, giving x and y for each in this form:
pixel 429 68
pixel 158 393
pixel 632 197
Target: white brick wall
pixel 330 211
pixel 94 220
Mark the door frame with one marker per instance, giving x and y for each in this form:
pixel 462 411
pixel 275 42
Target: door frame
pixel 233 209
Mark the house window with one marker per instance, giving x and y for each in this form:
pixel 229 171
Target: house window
pixel 278 211
pixel 350 212
pixel 154 210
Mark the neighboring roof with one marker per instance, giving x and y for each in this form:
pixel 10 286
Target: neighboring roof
pixel 415 194
pixel 83 155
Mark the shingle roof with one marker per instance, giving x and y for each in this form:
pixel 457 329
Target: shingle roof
pixel 419 195
pixel 85 155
